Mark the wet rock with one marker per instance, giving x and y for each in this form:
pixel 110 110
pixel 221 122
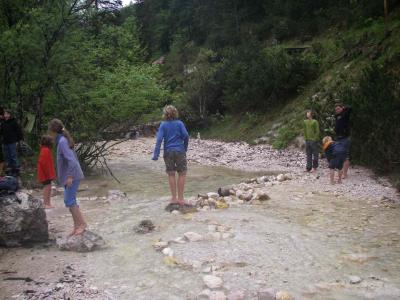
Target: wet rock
pixel 236 295
pixel 262 196
pixel 266 294
pixel 355 279
pixel 168 252
pixel 115 195
pixel 224 191
pixel 22 220
pixel 145 226
pixel 193 236
pixel 85 242
pixel 283 295
pixel 172 206
pixel 212 282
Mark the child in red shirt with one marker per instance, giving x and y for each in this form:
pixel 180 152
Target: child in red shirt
pixel 45 168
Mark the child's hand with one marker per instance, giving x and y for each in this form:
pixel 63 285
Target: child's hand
pixel 69 181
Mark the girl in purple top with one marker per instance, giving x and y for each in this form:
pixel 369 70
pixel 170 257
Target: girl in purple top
pixel 69 172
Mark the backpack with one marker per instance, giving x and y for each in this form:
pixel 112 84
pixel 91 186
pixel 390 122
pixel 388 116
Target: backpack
pixel 8 183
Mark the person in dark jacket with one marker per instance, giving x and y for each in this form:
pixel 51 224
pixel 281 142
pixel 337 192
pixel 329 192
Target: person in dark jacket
pixel 335 153
pixel 12 134
pixel 342 130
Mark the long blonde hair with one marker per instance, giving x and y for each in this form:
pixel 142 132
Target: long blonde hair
pixel 57 126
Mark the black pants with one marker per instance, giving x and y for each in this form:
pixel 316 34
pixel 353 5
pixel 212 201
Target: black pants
pixel 312 151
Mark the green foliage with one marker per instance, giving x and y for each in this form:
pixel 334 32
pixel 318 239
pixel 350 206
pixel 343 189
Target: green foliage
pixel 376 104
pixel 78 62
pixel 286 134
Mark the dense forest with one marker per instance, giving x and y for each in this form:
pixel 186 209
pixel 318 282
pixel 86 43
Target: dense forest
pixel 94 63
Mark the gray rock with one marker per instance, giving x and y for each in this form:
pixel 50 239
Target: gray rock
pixel 22 220
pixel 144 227
pixel 225 191
pixel 85 242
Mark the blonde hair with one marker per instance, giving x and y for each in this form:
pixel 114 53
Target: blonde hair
pixel 326 139
pixel 170 113
pixel 57 126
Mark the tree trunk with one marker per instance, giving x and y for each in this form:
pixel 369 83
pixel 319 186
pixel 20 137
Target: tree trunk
pixel 386 9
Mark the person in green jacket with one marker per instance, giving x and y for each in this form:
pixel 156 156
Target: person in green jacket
pixel 311 135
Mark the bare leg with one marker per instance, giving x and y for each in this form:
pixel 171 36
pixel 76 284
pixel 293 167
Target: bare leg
pixel 80 221
pixel 332 175
pixel 181 187
pixel 74 219
pixel 346 166
pixel 340 176
pixel 172 186
pixel 47 196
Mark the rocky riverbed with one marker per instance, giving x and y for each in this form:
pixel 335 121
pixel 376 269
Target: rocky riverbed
pixel 271 232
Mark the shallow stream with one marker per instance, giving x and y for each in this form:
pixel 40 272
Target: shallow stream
pixel 304 241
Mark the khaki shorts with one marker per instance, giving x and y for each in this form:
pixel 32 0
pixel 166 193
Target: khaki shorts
pixel 175 162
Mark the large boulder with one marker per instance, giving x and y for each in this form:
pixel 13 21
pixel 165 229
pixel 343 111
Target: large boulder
pixel 22 220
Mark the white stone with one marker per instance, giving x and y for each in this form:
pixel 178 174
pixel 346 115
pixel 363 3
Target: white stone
pixel 212 282
pixel 213 195
pixel 355 279
pixel 193 236
pixel 168 252
pixel 175 212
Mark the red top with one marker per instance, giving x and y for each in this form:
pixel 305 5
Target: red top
pixel 45 165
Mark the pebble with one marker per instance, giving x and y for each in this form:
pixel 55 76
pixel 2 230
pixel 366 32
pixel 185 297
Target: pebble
pixel 355 279
pixel 212 282
pixel 168 252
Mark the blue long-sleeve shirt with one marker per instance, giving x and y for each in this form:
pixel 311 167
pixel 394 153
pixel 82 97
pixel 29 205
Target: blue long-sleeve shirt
pixel 174 135
pixel 67 162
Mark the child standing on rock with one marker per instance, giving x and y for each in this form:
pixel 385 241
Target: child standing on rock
pixel 45 168
pixel 69 172
pixel 336 153
pixel 176 139
pixel 311 135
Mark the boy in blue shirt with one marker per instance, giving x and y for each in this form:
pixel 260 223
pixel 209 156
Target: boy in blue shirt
pixel 176 139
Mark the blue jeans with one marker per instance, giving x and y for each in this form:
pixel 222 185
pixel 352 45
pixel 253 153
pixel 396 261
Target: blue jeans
pixel 10 155
pixel 70 193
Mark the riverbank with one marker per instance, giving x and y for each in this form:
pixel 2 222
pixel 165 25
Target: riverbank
pixel 311 239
